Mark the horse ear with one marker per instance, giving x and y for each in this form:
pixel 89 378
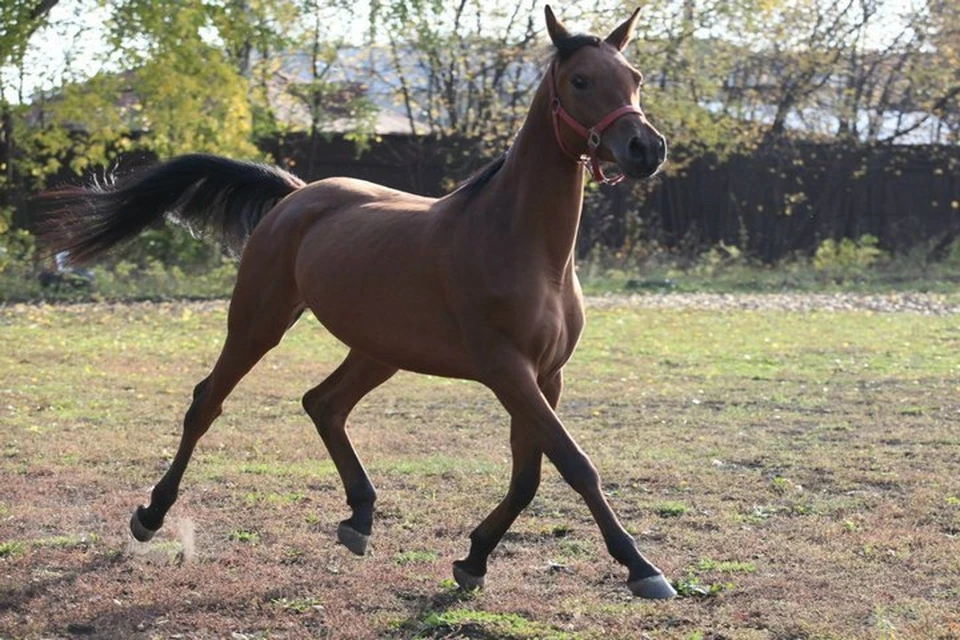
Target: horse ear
pixel 620 36
pixel 555 28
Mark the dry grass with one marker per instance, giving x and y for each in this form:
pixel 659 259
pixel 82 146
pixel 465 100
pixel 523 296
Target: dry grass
pixel 796 473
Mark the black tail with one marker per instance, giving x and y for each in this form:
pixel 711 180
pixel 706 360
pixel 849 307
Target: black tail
pixel 202 192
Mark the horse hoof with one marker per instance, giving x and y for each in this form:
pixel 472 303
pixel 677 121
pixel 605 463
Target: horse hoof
pixel 352 539
pixel 653 587
pixel 467 581
pixel 140 532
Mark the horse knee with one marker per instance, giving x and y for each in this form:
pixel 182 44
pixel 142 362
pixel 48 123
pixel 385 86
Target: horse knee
pixel 581 475
pixel 195 415
pixel 321 410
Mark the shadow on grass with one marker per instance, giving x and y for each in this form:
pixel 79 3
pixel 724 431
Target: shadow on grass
pixel 427 618
pixel 19 597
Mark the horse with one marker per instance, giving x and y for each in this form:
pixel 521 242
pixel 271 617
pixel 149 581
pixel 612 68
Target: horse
pixel 479 284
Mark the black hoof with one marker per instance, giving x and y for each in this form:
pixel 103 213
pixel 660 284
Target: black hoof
pixel 465 579
pixel 653 587
pixel 139 531
pixel 352 539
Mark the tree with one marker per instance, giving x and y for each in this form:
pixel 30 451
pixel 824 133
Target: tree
pixel 464 71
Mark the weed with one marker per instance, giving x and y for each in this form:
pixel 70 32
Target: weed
pixel 670 509
pixel 414 556
pixel 725 566
pixel 575 548
pixel 851 526
pixel 298 605
pixel 242 535
pixel 11 548
pixel 474 623
pixel 68 542
pixel 780 485
pixel 691 587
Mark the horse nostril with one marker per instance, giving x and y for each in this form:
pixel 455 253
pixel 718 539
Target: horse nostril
pixel 647 151
pixel 661 149
pixel 637 150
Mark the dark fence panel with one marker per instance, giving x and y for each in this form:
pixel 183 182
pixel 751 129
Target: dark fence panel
pixel 782 199
pixel 788 198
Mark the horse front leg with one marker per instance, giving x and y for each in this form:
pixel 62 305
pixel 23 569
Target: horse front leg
pixel 512 378
pixel 525 479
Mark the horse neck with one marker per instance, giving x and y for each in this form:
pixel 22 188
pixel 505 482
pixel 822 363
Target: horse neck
pixel 544 186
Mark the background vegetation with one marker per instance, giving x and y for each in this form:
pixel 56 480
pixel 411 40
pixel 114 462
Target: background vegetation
pixel 88 86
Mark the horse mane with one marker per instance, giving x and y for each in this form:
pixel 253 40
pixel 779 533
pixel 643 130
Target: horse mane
pixel 570 45
pixel 470 187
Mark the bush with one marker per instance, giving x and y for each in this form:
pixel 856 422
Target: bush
pixel 847 259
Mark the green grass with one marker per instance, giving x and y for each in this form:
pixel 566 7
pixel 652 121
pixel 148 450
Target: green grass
pixel 473 623
pixel 415 556
pixel 670 509
pixel 648 270
pixel 783 468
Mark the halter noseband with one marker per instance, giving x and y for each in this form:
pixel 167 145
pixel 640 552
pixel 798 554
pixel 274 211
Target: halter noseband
pixel 593 135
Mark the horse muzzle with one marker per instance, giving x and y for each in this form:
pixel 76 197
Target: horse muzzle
pixel 640 151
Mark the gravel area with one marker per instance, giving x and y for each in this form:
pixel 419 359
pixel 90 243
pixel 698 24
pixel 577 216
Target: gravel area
pixel 930 304
pixel 921 303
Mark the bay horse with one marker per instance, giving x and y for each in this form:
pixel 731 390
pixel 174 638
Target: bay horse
pixel 479 284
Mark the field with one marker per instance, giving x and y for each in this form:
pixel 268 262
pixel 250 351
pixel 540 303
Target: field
pixel 794 470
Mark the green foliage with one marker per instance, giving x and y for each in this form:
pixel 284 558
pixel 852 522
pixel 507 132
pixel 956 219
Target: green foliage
pixel 847 258
pixel 247 537
pixel 670 509
pixel 16 245
pixel 415 556
pixel 455 622
pixel 725 566
pixel 11 548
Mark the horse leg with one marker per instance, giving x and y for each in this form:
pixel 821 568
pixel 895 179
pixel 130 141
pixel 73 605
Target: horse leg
pixel 524 481
pixel 328 405
pixel 513 380
pixel 254 327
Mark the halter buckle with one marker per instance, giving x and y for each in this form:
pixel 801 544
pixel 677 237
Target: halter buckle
pixel 593 139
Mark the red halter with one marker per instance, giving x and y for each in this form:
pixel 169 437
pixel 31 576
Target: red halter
pixel 593 135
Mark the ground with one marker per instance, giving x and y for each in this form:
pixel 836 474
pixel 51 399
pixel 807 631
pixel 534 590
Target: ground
pixel 792 463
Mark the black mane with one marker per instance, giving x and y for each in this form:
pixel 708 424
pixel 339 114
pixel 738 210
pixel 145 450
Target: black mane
pixel 570 45
pixel 470 187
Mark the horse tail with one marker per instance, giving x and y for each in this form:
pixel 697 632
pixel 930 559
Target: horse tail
pixel 202 192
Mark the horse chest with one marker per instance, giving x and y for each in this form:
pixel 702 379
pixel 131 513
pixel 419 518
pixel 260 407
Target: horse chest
pixel 548 332
pixel 560 336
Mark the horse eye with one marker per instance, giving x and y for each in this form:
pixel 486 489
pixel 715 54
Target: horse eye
pixel 579 82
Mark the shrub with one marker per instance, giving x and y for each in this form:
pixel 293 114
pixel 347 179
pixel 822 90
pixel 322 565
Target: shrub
pixel 847 259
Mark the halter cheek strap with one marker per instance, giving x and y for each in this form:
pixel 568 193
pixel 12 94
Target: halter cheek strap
pixel 593 135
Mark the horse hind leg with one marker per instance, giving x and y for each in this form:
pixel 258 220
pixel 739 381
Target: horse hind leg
pixel 256 325
pixel 328 405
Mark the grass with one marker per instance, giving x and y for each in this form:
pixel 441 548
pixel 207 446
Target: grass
pixel 647 268
pixel 795 474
